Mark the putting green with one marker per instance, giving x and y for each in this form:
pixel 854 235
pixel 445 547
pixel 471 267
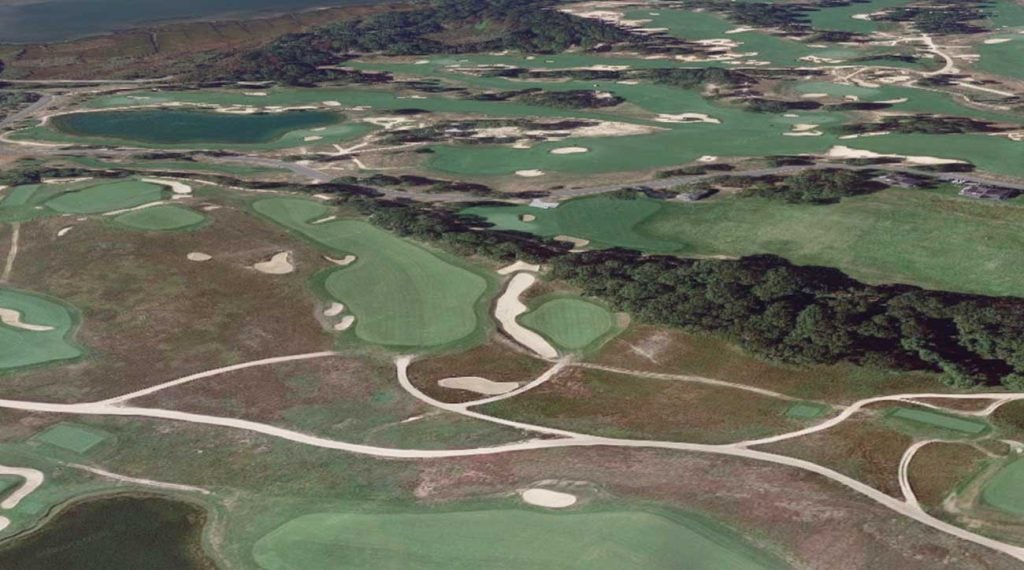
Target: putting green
pixel 107 197
pixel 570 323
pixel 505 539
pixel 160 218
pixel 20 347
pixel 1006 489
pixel 941 420
pixel 400 293
pixel 72 437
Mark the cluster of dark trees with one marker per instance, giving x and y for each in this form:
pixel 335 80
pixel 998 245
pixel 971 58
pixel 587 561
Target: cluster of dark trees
pixel 929 124
pixel 12 100
pixel 815 186
pixel 570 99
pixel 943 16
pixel 416 182
pixel 761 105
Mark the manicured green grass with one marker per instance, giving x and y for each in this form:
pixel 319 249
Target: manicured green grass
pixel 19 347
pixel 940 420
pixel 160 218
pixel 1006 489
pixel 106 197
pixel 400 293
pixel 72 437
pixel 504 539
pixel 806 411
pixel 570 323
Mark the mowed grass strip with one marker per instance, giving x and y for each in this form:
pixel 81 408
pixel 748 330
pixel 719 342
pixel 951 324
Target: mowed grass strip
pixel 940 420
pixel 72 437
pixel 806 411
pixel 20 347
pixel 160 219
pixel 401 294
pixel 504 539
pixel 570 323
pixel 107 197
pixel 1006 489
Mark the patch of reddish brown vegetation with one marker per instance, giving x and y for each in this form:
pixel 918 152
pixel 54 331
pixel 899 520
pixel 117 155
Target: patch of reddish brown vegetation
pixel 938 468
pixel 496 360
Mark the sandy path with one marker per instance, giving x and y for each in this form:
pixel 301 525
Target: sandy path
pixel 279 264
pixel 137 481
pixel 33 479
pixel 12 253
pixel 216 371
pixel 12 318
pixel 904 471
pixel 509 307
pixel 547 498
pixel 478 384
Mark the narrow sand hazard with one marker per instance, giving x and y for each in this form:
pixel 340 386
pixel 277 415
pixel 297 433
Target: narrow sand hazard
pixel 12 253
pixel 33 479
pixel 324 220
pixel 199 256
pixel 517 267
pixel 12 318
pixel 478 385
pixel 279 264
pixel 840 151
pixel 686 118
pixel 991 41
pixel 347 260
pixel 346 323
pixel 508 309
pixel 570 150
pixel 527 218
pixel 334 310
pixel 529 173
pixel 64 231
pixel 547 498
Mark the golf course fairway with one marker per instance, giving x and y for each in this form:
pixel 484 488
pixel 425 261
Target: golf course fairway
pixel 107 197
pixel 504 539
pixel 21 346
pixel 160 219
pixel 570 323
pixel 400 293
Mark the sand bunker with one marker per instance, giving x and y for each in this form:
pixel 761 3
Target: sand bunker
pixel 894 101
pixel 686 118
pixel 527 218
pixel 12 318
pixel 991 41
pixel 312 138
pixel 478 385
pixel 707 158
pixel 804 130
pixel 814 95
pixel 347 260
pixel 279 264
pixel 517 267
pixel 508 309
pixel 577 243
pixel 570 150
pixel 543 204
pixel 179 188
pixel 64 231
pixel 323 220
pixel 334 310
pixel 346 323
pixel 529 173
pixel 199 256
pixel 547 498
pixel 840 151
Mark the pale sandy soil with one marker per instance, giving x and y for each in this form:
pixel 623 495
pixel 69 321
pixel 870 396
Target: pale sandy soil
pixel 997 41
pixel 804 130
pixel 346 322
pixel 478 385
pixel 857 136
pixel 347 260
pixel 707 158
pixel 210 208
pixel 570 150
pixel 323 220
pixel 517 267
pixel 544 204
pixel 279 264
pixel 64 231
pixel 548 498
pixel 312 138
pixel 509 307
pixel 814 95
pixel 334 310
pixel 894 101
pixel 528 217
pixel 332 103
pixel 840 151
pixel 686 118
pixel 533 173
pixel 65 180
pixel 176 187
pixel 199 256
pixel 12 318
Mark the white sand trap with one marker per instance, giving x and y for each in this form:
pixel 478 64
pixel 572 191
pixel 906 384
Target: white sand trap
pixel 527 218
pixel 332 103
pixel 804 130
pixel 323 220
pixel 210 208
pixel 312 138
pixel 791 115
pixel 548 498
pixel 12 318
pixel 176 187
pixel 529 173
pixel 4 523
pixel 814 95
pixel 33 479
pixel 255 93
pixel 686 118
pixel 577 243
pixel 70 180
pixel 991 41
pixel 519 266
pixel 543 204
pixel 570 150
pixel 893 101
pixel 509 307
pixel 199 256
pixel 64 231
pixel 707 158
pixel 347 260
pixel 334 310
pixel 628 82
pixel 346 323
pixel 279 264
pixel 840 151
pixel 478 385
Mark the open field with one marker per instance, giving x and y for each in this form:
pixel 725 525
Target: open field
pixel 49 341
pixel 570 323
pixel 161 219
pixel 400 293
pixel 493 539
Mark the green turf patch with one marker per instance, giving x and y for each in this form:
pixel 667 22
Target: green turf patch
pixel 160 219
pixel 21 347
pixel 401 294
pixel 1005 491
pixel 72 437
pixel 504 539
pixel 570 323
pixel 107 197
pixel 806 411
pixel 940 420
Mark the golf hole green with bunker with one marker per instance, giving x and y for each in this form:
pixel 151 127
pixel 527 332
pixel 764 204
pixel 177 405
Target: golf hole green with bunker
pixel 507 538
pixel 34 330
pixel 30 201
pixel 401 294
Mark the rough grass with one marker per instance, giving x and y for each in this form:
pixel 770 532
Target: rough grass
pixel 570 323
pixel 400 293
pixel 938 468
pixel 160 219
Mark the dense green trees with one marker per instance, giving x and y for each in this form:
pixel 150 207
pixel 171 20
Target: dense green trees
pixel 816 186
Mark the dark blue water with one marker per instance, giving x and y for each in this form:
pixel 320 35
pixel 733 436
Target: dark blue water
pixel 28 21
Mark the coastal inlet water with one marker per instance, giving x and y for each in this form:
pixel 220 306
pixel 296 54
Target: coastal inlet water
pixel 114 533
pixel 31 21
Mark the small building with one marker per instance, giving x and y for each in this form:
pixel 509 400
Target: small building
pixel 986 192
pixel 901 180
